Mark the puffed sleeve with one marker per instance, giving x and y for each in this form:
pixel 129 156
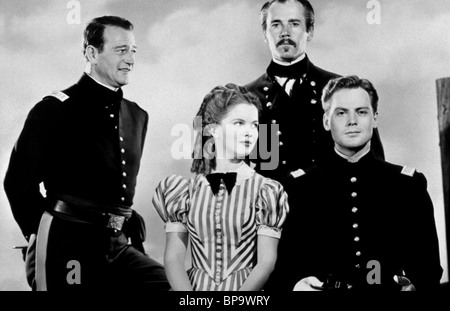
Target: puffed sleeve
pixel 171 201
pixel 272 209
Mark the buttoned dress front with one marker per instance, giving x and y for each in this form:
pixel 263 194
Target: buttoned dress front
pixel 222 228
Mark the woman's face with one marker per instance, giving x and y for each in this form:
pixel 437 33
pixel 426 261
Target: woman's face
pixel 236 135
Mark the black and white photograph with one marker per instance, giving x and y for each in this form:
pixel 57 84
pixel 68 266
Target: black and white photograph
pixel 207 145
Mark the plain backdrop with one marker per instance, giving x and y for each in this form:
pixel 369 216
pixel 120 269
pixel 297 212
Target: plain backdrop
pixel 185 48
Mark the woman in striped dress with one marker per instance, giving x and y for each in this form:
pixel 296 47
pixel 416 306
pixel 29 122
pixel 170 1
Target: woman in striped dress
pixel 231 215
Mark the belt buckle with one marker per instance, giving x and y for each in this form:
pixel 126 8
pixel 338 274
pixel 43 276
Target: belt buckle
pixel 115 221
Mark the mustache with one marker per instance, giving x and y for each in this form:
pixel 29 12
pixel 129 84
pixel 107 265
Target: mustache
pixel 286 41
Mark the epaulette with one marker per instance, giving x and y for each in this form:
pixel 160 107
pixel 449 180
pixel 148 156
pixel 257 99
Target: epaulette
pixel 298 173
pixel 409 171
pixel 59 95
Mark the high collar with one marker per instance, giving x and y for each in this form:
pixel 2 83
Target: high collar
pixel 98 92
pixel 102 84
pixel 364 159
pixel 357 156
pixel 295 70
pixel 302 57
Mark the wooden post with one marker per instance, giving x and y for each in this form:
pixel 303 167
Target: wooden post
pixel 443 101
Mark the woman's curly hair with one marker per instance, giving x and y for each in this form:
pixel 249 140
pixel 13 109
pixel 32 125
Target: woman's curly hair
pixel 215 106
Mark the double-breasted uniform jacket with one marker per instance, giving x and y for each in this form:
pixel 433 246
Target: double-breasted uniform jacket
pixel 84 143
pixel 295 137
pixel 359 224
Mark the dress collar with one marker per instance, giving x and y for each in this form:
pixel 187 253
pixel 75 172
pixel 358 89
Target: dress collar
pixel 244 172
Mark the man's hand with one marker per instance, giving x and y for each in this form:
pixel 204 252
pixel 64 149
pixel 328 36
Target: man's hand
pixel 310 283
pixel 405 283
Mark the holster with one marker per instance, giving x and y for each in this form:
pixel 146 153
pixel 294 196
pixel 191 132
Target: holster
pixel 136 231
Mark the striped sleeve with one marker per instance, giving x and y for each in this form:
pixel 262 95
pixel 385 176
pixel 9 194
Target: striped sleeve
pixel 272 209
pixel 171 201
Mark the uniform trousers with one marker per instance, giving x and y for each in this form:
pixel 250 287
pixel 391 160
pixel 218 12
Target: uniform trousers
pixel 72 255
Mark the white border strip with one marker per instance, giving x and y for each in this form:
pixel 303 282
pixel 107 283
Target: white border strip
pixel 41 251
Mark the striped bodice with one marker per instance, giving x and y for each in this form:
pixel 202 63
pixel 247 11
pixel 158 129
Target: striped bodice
pixel 223 228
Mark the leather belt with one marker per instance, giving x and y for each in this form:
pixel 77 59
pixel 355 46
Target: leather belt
pixel 82 214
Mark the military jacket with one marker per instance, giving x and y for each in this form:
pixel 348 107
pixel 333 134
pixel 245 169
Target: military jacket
pixel 292 136
pixel 85 142
pixel 360 224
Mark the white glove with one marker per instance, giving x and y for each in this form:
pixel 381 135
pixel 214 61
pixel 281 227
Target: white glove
pixel 405 283
pixel 310 283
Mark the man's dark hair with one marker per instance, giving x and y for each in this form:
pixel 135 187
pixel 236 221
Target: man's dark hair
pixel 93 34
pixel 349 82
pixel 309 13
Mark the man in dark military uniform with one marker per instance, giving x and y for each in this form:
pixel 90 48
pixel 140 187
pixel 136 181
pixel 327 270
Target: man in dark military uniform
pixel 357 222
pixel 84 146
pixel 290 91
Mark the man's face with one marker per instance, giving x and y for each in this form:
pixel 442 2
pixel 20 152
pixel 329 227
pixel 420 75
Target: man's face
pixel 350 119
pixel 113 65
pixel 286 31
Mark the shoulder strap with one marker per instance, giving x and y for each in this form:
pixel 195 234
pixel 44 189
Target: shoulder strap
pixel 59 95
pixel 408 171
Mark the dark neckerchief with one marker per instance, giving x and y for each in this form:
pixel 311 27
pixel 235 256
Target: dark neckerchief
pixel 292 72
pixel 214 179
